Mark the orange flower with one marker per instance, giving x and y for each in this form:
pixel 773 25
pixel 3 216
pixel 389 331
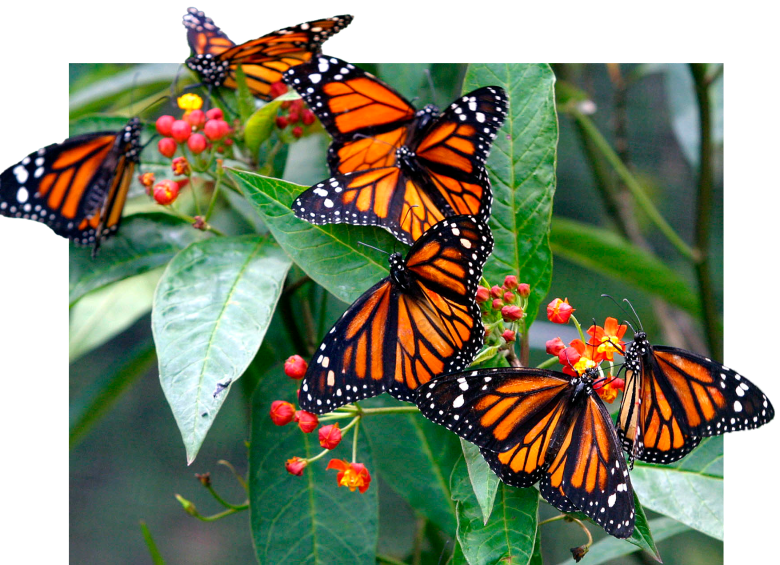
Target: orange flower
pixel 608 389
pixel 609 338
pixel 351 475
pixel 295 466
pixel 578 357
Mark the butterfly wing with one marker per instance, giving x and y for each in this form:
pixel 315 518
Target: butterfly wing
pixel 683 397
pixel 367 119
pixel 410 327
pixel 203 36
pixel 78 187
pixel 530 426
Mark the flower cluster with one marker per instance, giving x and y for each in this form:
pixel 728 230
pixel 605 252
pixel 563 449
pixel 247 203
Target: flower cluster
pixel 503 309
pixel 579 356
pixel 292 113
pixel 352 475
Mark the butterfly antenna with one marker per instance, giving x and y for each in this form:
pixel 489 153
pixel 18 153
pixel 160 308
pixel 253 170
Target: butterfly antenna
pixel 374 248
pixel 622 309
pixel 636 316
pixel 154 103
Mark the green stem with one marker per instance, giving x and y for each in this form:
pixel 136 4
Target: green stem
pixel 221 500
pixel 704 213
pixel 154 553
pixel 390 410
pixel 223 514
pixel 214 195
pixel 356 423
pixel 551 362
pixel 579 327
pixel 644 202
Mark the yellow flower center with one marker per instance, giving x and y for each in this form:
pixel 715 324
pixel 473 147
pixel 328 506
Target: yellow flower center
pixel 189 102
pixel 352 480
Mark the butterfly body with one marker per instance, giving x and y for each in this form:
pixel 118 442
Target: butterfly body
pixel 674 397
pixel 78 187
pixel 215 58
pixel 394 166
pixel 420 321
pixel 535 425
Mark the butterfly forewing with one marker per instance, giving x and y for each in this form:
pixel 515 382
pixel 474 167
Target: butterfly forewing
pixel 421 321
pixel 203 35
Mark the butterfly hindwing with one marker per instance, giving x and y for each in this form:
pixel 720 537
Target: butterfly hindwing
pixel 77 187
pixel 538 425
pixel 417 323
pixel 675 397
pixel 263 60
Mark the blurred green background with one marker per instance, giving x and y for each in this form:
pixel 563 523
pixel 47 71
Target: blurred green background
pixel 130 463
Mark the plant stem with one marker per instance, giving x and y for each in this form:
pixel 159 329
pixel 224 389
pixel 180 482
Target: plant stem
pixel 548 363
pixel 154 553
pixel 704 212
pixel 419 537
pixel 223 514
pixel 221 500
pixel 356 423
pixel 214 195
pixel 390 410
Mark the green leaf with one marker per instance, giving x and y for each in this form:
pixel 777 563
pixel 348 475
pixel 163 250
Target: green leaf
pixel 305 519
pixel 144 242
pixel 246 102
pixel 690 490
pixel 415 457
pixel 107 312
pixel 299 167
pixel 260 125
pixel 536 558
pixel 211 310
pixel 407 78
pixel 510 534
pixel 607 253
pixel 483 480
pixel 609 548
pixel 522 173
pixel 329 254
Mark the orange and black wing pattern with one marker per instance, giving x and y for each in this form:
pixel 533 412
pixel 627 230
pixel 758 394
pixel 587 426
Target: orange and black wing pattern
pixel 394 167
pixel 538 425
pixel 420 322
pixel 263 60
pixel 674 397
pixel 78 187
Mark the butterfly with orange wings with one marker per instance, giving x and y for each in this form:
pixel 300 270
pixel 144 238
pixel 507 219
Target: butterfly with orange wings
pixel 393 166
pixel 673 398
pixel 421 321
pixel 539 425
pixel 263 60
pixel 78 187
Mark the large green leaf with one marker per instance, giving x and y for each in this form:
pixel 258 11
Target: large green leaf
pixel 510 534
pixel 606 252
pixel 144 242
pixel 483 480
pixel 690 491
pixel 415 457
pixel 305 519
pixel 211 310
pixel 522 172
pixel 329 254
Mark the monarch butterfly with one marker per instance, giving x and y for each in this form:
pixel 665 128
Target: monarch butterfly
pixel 539 425
pixel 78 187
pixel 263 60
pixel 393 166
pixel 674 397
pixel 421 321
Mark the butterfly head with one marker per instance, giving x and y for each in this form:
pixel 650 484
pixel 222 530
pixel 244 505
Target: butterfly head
pixel 398 271
pixel 425 116
pixel 211 70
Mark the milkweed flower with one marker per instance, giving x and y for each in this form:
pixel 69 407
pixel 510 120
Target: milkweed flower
pixel 554 346
pixel 608 389
pixel 559 311
pixel 524 290
pixel 510 282
pixel 351 475
pixel 180 166
pixel 295 367
pixel 282 413
pixel 609 338
pixel 511 313
pixel 330 436
pixel 295 466
pixel 483 294
pixel 165 192
pixel 578 357
pixel 189 102
pixel 306 421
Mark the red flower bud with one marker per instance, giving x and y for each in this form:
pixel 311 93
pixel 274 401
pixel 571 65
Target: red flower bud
pixel 510 282
pixel 286 104
pixel 509 297
pixel 508 335
pixel 618 384
pixel 163 125
pixel 330 436
pixel 297 132
pixel 497 304
pixel 511 313
pixel 306 421
pixel 197 143
pixel 482 294
pixel 559 311
pixel 213 130
pixel 554 346
pixel 488 331
pixel 524 290
pixel 496 292
pixel 569 356
pixel 282 413
pixel 224 127
pixel 293 117
pixel 180 166
pixel 308 117
pixel 181 131
pixel 196 118
pixel 277 89
pixel 166 191
pixel 295 367
pixel 281 122
pixel 295 466
pixel 167 147
pixel 214 114
pixel 147 180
